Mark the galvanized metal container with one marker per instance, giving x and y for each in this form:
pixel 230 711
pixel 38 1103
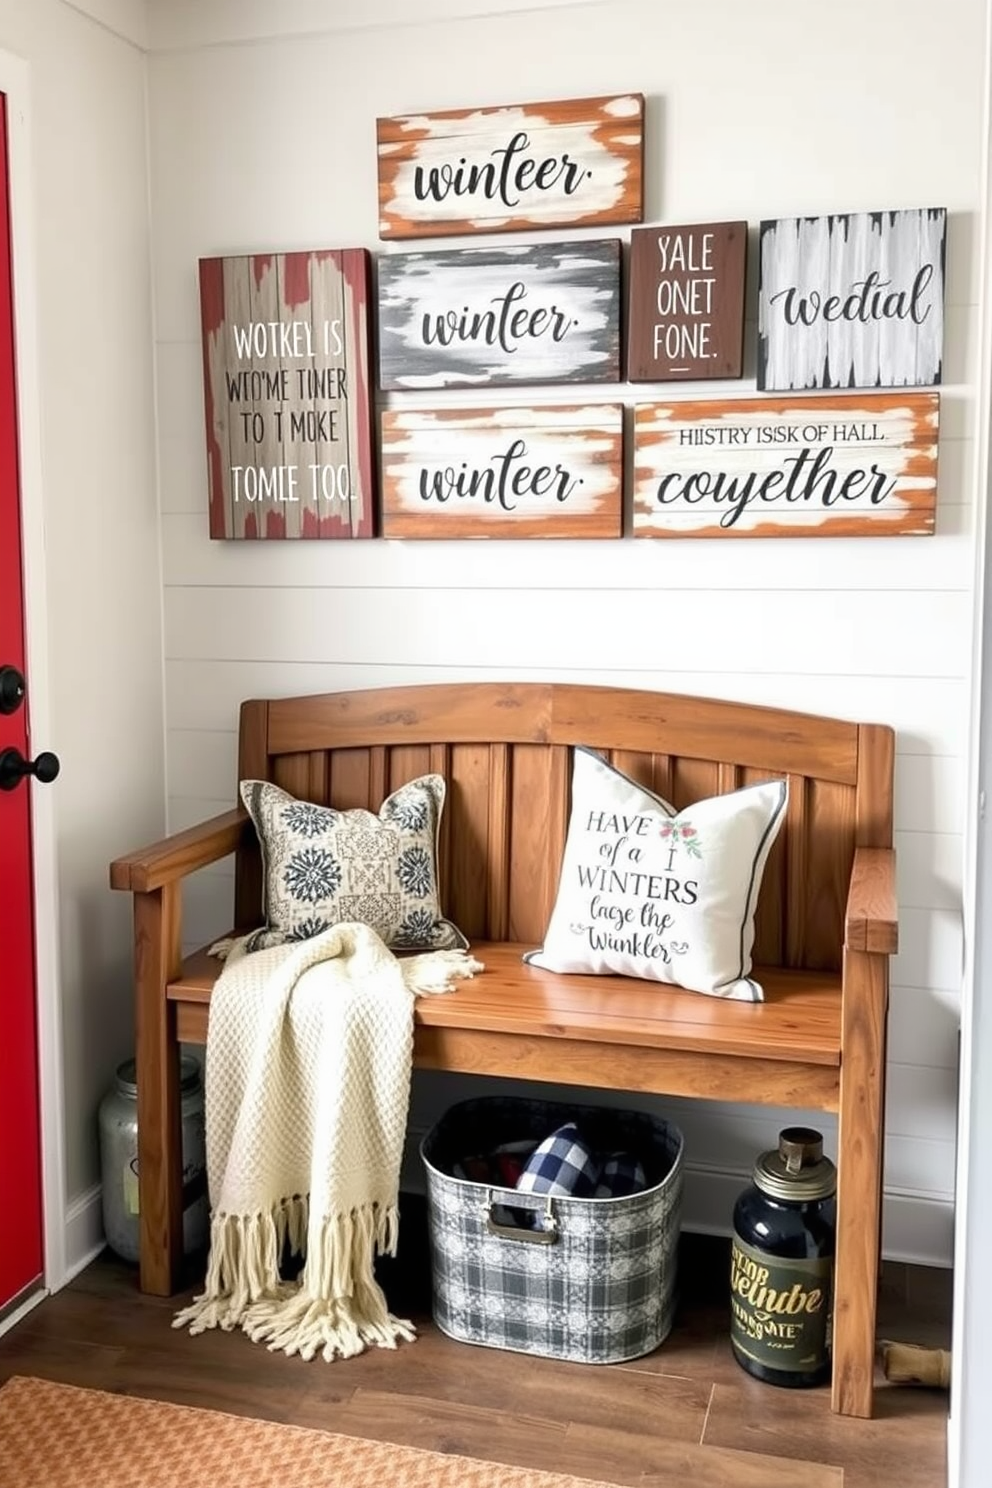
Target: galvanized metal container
pixel 118 1120
pixel 593 1279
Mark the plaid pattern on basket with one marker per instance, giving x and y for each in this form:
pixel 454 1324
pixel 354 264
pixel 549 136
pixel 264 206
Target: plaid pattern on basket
pixel 593 1280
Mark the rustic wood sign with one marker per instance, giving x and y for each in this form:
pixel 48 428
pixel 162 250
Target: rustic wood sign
pixel 686 302
pixel 474 317
pixel 852 301
pixel 499 169
pixel 503 472
pixel 286 393
pixel 851 465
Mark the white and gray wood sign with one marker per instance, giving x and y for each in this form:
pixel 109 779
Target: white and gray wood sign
pixel 853 301
pixel 477 317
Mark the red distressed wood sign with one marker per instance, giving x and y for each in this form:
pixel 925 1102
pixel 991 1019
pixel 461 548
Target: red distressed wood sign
pixel 503 472
pixel 686 302
pixel 286 394
pixel 847 465
pixel 521 166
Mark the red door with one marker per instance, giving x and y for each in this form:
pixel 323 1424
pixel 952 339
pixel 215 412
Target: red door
pixel 21 1262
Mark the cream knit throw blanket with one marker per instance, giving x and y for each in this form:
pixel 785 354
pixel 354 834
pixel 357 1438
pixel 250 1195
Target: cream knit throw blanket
pixel 308 1068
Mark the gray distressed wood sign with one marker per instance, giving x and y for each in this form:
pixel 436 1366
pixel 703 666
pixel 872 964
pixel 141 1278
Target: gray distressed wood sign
pixel 503 472
pixel 475 317
pixel 852 301
pixel 834 465
pixel 571 162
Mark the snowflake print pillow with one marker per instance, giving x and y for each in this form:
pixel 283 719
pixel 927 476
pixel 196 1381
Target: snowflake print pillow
pixel 323 867
pixel 648 891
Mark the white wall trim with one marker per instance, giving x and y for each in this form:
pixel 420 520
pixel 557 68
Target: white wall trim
pixel 84 1237
pixel 15 83
pixel 969 1437
pixel 175 25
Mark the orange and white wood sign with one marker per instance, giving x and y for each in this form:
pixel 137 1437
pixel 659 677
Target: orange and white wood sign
pixel 844 465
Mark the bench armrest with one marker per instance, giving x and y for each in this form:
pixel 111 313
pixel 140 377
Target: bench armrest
pixel 871 918
pixel 174 857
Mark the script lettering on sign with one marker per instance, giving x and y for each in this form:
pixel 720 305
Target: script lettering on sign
pixel 503 472
pixel 686 315
pixel 286 394
pixel 852 301
pixel 855 465
pixel 523 166
pixel 473 317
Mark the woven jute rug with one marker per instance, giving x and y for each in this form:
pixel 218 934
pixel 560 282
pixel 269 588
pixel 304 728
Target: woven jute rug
pixel 60 1436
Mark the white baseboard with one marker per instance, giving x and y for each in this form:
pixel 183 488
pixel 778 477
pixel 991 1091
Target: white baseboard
pixel 914 1228
pixel 83 1233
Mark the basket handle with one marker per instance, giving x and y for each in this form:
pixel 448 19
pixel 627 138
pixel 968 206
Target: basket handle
pixel 546 1235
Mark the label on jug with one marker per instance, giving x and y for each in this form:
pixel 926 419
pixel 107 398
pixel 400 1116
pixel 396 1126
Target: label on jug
pixel 131 1186
pixel 780 1308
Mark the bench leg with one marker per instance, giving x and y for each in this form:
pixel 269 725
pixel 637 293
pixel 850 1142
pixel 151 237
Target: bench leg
pixel 157 958
pixel 860 1156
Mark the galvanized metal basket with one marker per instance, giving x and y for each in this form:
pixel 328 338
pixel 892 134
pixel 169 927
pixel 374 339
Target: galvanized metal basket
pixel 590 1280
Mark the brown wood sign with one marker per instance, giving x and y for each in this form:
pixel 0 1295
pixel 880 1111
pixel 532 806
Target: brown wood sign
pixel 503 472
pixel 686 302
pixel 286 393
pixel 504 169
pixel 475 317
pixel 852 301
pixel 853 465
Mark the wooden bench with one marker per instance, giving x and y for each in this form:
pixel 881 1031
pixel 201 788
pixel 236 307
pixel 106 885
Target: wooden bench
pixel 825 926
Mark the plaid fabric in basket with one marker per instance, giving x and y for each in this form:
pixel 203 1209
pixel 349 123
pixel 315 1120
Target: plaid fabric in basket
pixel 563 1163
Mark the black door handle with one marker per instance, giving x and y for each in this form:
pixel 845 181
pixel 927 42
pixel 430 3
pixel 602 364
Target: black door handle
pixel 14 767
pixel 11 689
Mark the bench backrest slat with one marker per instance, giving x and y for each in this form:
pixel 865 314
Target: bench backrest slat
pixel 505 751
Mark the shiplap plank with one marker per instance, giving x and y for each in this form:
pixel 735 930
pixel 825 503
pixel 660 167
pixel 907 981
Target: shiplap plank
pixel 921 1101
pixel 924 1024
pixel 844 565
pixel 792 632
pixel 929 869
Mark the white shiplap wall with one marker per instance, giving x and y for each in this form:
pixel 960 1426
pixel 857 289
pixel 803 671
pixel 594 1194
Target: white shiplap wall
pixel 262 140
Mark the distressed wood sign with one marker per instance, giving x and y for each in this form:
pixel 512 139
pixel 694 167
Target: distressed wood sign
pixel 503 472
pixel 474 317
pixel 848 465
pixel 286 394
pixel 686 302
pixel 501 169
pixel 852 301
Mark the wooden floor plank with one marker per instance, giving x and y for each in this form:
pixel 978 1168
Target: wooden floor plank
pixel 904 1443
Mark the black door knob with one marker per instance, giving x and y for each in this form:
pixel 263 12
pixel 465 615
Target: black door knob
pixel 11 689
pixel 14 767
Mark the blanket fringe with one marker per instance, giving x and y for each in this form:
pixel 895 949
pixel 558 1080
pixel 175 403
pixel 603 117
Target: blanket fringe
pixel 438 971
pixel 336 1309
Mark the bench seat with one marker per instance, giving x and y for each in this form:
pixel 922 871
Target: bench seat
pixel 523 1022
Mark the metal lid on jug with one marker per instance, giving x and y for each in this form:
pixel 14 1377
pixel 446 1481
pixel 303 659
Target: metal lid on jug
pixel 797 1168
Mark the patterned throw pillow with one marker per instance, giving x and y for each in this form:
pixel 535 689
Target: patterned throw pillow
pixel 648 891
pixel 323 867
